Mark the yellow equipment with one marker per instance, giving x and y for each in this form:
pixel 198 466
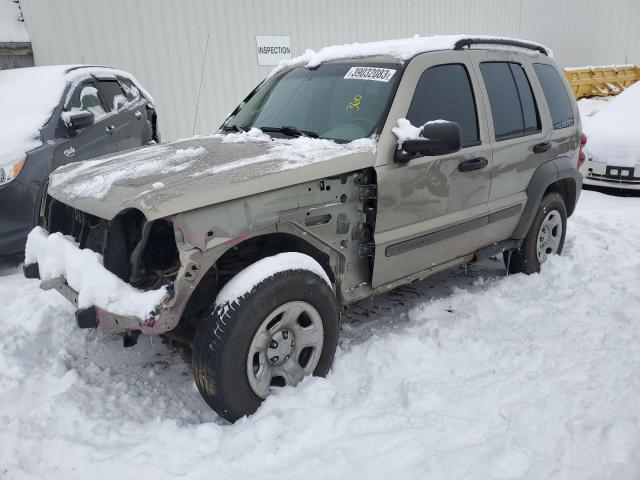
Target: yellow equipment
pixel 601 81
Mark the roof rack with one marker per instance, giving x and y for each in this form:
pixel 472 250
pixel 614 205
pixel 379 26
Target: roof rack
pixel 467 42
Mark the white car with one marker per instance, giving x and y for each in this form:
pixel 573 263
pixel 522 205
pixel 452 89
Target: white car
pixel 613 149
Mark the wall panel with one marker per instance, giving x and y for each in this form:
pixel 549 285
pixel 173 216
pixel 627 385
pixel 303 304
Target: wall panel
pixel 162 42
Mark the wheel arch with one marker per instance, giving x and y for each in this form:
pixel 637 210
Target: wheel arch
pixel 558 175
pixel 237 256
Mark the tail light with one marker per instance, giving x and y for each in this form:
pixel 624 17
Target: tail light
pixel 581 155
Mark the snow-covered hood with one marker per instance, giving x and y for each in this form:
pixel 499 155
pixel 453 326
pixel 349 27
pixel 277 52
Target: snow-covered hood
pixel 28 96
pixel 613 132
pixel 162 180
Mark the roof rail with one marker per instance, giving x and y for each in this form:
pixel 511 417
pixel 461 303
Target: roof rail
pixel 467 42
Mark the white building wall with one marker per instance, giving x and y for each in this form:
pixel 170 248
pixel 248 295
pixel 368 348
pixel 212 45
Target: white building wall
pixel 163 42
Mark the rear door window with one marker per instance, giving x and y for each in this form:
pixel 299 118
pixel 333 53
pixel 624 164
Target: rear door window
pixel 530 116
pixel 112 93
pixel 444 92
pixel 130 90
pixel 556 94
pixel 513 106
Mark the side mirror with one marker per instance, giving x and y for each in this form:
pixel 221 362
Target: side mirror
pixel 438 138
pixel 78 119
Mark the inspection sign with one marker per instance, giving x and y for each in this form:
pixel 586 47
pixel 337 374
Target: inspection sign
pixel 273 48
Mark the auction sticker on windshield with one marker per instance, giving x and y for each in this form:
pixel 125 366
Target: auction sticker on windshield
pixel 370 73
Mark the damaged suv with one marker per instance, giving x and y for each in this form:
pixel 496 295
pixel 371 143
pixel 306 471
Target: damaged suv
pixel 344 174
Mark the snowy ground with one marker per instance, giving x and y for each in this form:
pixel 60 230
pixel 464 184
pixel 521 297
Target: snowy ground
pixel 477 377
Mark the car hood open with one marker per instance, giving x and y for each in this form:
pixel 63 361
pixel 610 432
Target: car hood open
pixel 166 179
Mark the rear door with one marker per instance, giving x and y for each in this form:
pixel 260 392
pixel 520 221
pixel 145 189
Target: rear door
pixel 519 132
pixel 429 211
pixel 126 119
pixel 136 106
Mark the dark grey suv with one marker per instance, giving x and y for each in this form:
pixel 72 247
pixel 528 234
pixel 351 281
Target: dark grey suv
pixel 55 115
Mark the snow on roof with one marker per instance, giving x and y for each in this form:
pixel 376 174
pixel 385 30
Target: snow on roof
pixel 12 30
pixel 28 97
pixel 401 49
pixel 613 132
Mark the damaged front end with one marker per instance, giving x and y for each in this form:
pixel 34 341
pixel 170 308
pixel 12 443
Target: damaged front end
pixel 142 254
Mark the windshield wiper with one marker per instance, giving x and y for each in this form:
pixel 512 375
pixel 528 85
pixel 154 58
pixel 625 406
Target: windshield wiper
pixel 291 131
pixel 234 128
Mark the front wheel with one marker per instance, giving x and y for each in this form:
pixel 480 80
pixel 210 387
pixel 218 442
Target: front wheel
pixel 546 237
pixel 282 330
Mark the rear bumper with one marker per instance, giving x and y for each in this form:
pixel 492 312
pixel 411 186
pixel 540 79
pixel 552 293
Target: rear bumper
pixel 17 216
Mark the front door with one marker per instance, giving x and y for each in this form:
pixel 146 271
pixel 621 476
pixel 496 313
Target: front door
pixel 88 142
pixel 431 210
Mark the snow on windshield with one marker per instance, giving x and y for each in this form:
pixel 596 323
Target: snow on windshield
pixel 613 131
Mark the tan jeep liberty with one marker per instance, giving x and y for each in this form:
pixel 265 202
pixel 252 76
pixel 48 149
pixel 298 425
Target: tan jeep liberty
pixel 344 174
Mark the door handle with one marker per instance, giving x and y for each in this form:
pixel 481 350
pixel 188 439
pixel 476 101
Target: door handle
pixel 138 114
pixel 542 147
pixel 110 128
pixel 473 164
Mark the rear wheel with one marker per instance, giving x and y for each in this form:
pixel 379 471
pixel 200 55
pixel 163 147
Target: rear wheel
pixel 284 329
pixel 545 238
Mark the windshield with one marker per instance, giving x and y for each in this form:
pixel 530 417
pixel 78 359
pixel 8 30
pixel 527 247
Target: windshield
pixel 340 102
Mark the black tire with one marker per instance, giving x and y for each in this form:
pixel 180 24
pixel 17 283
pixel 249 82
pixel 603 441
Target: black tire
pixel 222 341
pixel 525 258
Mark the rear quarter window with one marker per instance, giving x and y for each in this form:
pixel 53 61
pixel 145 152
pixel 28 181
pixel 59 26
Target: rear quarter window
pixel 558 100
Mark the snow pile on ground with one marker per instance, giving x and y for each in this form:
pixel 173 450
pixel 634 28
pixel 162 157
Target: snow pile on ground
pixel 530 377
pixel 401 49
pixel 256 273
pixel 588 107
pixel 614 131
pixel 83 270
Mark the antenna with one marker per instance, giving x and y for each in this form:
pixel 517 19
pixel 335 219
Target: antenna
pixel 204 61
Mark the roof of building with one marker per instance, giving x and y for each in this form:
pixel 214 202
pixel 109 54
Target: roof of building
pixel 12 29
